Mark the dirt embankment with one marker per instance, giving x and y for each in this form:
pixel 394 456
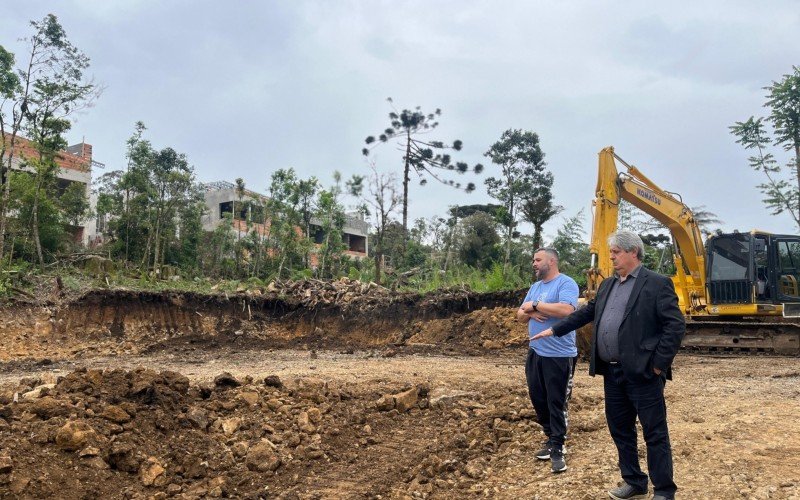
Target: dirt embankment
pixel 123 322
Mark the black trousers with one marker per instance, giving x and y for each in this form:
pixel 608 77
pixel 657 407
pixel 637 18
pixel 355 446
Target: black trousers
pixel 550 386
pixel 626 400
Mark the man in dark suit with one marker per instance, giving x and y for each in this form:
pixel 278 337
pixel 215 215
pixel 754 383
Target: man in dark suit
pixel 638 328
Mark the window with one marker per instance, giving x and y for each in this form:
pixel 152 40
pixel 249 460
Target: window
pixel 789 267
pixel 317 234
pixel 357 243
pixel 225 208
pixel 789 255
pixel 761 266
pixel 730 257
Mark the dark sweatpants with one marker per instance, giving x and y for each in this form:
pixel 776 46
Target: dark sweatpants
pixel 550 386
pixel 625 400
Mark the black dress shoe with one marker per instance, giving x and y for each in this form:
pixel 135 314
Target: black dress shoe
pixel 626 491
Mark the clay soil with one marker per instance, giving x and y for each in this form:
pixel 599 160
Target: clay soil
pixel 166 397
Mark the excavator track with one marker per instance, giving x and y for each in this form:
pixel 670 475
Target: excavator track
pixel 742 338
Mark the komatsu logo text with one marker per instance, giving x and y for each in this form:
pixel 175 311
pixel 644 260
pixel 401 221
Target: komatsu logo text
pixel 647 195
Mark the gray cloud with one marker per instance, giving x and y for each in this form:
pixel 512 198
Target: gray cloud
pixel 245 88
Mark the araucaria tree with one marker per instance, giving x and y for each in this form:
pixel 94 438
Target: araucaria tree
pixel 521 161
pixel 424 156
pixel 782 189
pixel 37 99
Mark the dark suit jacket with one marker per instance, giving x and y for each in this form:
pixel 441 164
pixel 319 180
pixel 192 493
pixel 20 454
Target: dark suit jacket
pixel 651 330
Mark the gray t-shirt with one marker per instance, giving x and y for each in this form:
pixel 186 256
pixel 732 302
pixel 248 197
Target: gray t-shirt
pixel 612 315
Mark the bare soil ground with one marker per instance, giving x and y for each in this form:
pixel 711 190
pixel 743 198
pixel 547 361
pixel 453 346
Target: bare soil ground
pixel 430 407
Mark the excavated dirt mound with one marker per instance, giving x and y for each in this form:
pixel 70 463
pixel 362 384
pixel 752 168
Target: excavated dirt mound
pixel 101 434
pixel 350 426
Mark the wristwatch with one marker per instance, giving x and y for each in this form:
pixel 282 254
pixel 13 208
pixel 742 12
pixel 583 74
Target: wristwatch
pixel 535 303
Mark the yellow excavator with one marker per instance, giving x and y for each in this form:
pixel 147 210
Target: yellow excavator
pixel 738 291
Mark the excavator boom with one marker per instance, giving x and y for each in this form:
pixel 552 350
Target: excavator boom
pixel 634 187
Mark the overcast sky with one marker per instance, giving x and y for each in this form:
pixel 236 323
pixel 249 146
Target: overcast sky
pixel 244 88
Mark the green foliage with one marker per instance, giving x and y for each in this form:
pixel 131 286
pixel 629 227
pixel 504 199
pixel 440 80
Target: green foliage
pixel 288 248
pixel 303 193
pixel 493 279
pixel 9 81
pixel 302 274
pixel 37 99
pixel 478 245
pixel 74 203
pixel 658 253
pixel 782 189
pixel 12 277
pixel 216 255
pixel 186 248
pixel 154 208
pixel 521 161
pixel 462 211
pixel 331 216
pixel 71 283
pixel 574 258
pixel 34 195
pixel 538 207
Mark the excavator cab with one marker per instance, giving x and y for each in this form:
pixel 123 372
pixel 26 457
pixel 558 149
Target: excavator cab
pixel 754 268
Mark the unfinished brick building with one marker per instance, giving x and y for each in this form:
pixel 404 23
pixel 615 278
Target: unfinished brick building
pixel 74 166
pixel 221 198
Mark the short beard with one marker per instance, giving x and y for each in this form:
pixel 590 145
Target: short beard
pixel 542 272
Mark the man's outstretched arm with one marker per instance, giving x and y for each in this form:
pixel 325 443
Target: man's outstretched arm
pixel 572 322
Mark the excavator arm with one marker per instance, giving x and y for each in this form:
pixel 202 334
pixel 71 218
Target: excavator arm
pixel 667 208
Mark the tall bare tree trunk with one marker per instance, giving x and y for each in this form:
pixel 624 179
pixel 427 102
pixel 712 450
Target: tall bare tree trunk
pixel 16 124
pixel 797 170
pixel 507 257
pixel 127 223
pixel 35 213
pixel 35 229
pixel 5 177
pixel 378 259
pixel 280 266
pixel 327 249
pixel 157 245
pixel 145 265
pixel 406 172
pixel 537 237
pixel 3 210
pixel 450 241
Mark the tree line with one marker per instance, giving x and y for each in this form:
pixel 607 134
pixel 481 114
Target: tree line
pixel 153 209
